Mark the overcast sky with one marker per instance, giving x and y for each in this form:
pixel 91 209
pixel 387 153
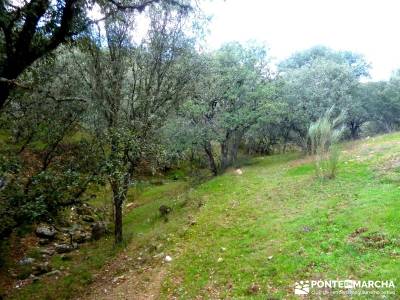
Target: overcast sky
pixel 370 27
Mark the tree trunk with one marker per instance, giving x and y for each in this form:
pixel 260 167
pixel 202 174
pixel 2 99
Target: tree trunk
pixel 4 93
pixel 118 219
pixel 211 160
pixel 224 155
pixel 225 151
pixel 354 129
pixel 235 147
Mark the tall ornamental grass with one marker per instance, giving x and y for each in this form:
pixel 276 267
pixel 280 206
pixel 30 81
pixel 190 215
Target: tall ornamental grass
pixel 325 135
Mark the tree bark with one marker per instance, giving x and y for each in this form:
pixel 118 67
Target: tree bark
pixel 118 219
pixel 354 130
pixel 211 160
pixel 224 155
pixel 4 93
pixel 234 149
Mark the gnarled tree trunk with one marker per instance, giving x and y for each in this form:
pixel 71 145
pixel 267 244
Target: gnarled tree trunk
pixel 210 156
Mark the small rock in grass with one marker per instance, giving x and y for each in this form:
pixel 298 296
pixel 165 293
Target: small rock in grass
pixel 53 273
pixel 238 171
pixel 64 248
pixel 44 241
pixel 168 258
pixel 116 279
pixel 254 288
pixel 88 218
pixel 34 278
pixel 65 257
pixel 270 257
pixel 220 259
pixel 26 261
pixel 48 252
pixel 130 205
pixel 41 268
pixel 159 255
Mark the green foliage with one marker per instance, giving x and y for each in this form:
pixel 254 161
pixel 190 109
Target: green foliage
pixel 324 135
pixel 230 96
pixel 314 81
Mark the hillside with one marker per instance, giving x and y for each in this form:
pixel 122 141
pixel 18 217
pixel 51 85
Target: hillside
pixel 251 235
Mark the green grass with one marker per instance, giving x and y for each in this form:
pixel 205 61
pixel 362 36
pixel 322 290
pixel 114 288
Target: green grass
pixel 272 226
pixel 305 224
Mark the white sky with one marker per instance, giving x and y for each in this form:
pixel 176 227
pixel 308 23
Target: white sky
pixel 370 27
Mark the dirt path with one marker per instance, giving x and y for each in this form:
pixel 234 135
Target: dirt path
pixel 143 283
pixel 145 286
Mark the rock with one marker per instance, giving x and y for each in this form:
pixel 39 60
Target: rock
pixel 238 171
pixel 119 278
pixel 192 221
pixel 164 211
pixel 129 205
pixel 254 288
pixel 159 255
pixel 88 219
pixel 47 251
pixel 2 183
pixel 98 230
pixel 168 258
pixel 80 237
pixel 41 268
pixel 65 248
pixel 65 229
pixel 270 257
pixel 84 210
pixel 65 257
pixel 45 231
pixel 26 261
pixel 54 273
pixel 220 259
pixel 44 241
pixel 34 278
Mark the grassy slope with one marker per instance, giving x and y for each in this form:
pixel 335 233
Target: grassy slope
pixel 276 208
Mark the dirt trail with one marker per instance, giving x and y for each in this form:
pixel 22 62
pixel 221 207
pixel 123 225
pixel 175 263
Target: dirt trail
pixel 144 284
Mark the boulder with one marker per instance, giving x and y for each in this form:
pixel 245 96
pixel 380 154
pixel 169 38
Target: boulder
pixel 45 231
pixel 98 230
